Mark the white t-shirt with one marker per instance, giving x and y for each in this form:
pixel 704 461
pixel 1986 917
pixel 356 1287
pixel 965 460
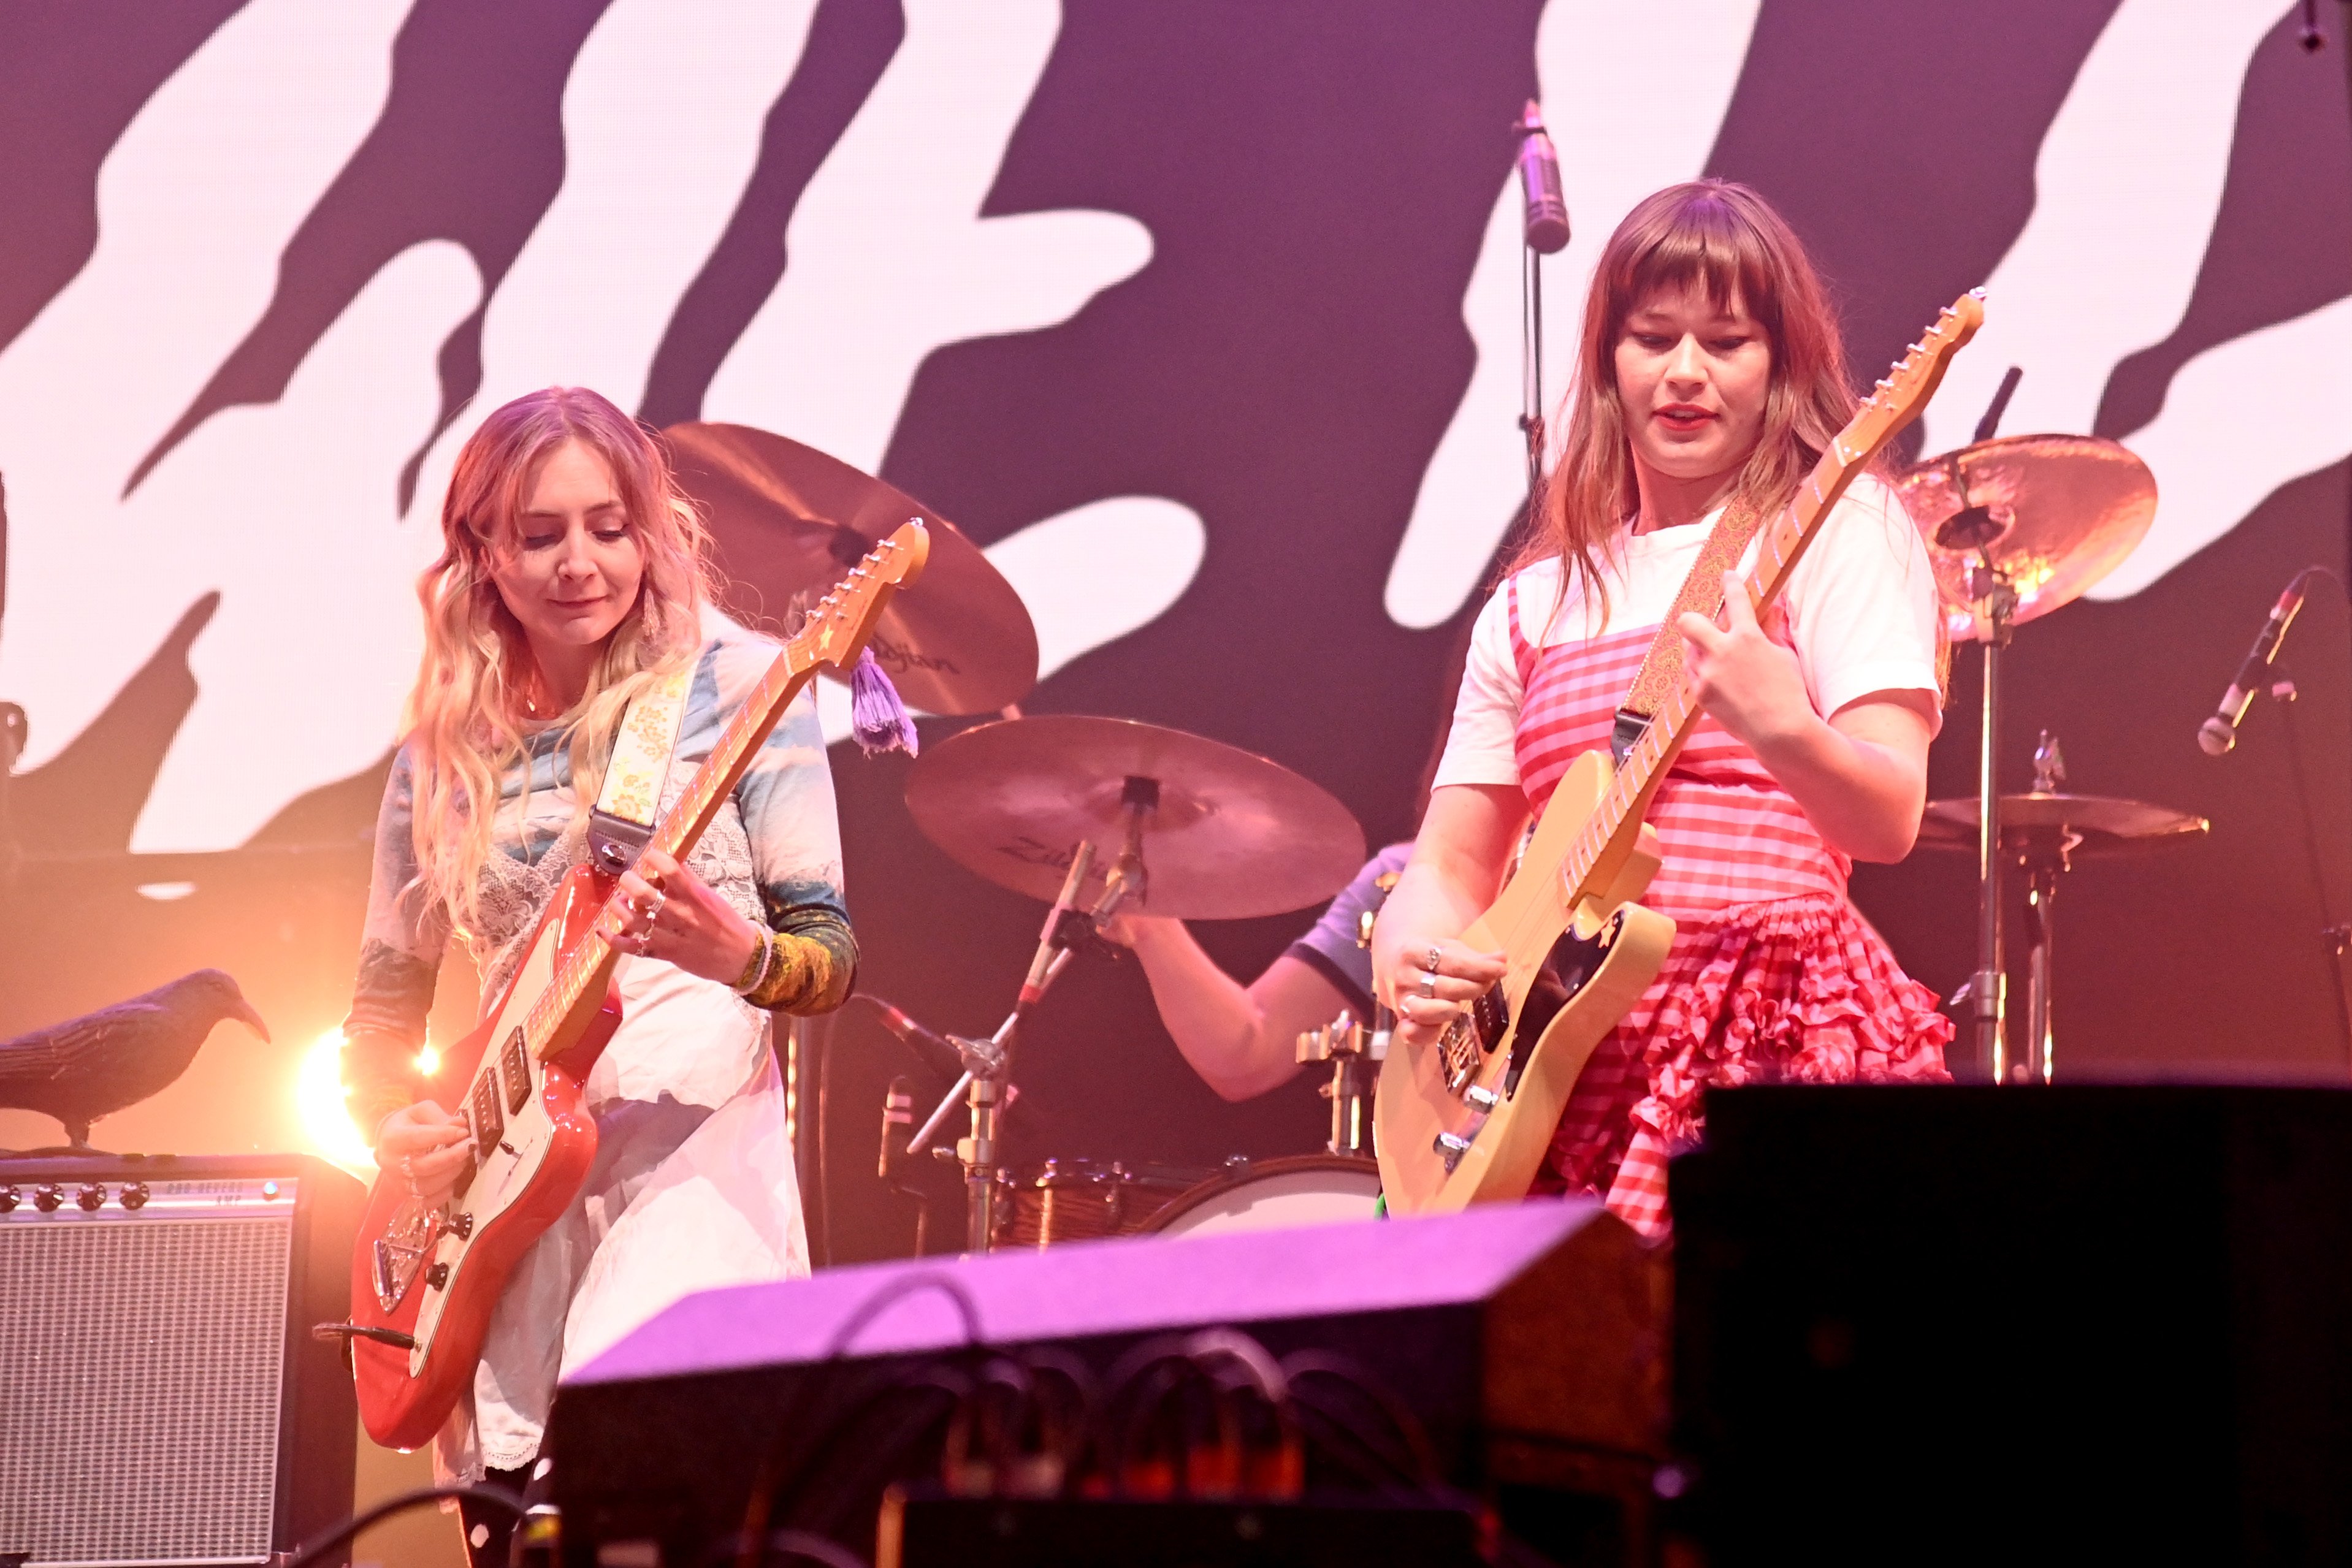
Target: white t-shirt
pixel 1861 604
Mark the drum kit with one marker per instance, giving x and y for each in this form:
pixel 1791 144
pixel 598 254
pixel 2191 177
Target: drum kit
pixel 1096 816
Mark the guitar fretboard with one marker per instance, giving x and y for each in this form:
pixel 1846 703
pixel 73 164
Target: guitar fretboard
pixel 1779 546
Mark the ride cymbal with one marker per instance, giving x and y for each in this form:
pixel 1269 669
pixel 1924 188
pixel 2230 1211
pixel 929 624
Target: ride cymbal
pixel 2057 513
pixel 787 521
pixel 1233 835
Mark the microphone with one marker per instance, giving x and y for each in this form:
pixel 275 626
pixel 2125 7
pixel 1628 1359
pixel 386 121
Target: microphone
pixel 1546 219
pixel 897 1127
pixel 936 1050
pixel 2216 735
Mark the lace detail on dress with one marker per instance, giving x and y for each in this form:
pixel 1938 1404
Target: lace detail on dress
pixel 514 892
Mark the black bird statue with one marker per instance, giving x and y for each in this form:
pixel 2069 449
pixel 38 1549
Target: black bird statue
pixel 94 1066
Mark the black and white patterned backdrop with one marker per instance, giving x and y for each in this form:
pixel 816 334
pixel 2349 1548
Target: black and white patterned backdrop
pixel 1204 319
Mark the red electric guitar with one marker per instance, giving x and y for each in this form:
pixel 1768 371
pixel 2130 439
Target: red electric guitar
pixel 424 1280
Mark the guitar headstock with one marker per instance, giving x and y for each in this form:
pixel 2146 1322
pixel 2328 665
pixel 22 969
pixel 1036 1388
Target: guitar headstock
pixel 1896 400
pixel 838 624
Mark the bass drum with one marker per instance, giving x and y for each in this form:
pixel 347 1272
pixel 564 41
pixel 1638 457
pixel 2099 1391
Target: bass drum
pixel 1274 1194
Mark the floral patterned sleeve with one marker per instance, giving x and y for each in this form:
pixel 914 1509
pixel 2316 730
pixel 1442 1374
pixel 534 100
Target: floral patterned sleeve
pixel 400 956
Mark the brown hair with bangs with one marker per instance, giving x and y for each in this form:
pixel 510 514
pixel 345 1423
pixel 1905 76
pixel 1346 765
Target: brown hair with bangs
pixel 1724 237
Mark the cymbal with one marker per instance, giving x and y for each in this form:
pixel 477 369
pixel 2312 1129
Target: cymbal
pixel 1235 834
pixel 2056 512
pixel 2097 824
pixel 786 519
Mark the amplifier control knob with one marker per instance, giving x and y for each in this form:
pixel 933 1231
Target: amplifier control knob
pixel 134 1195
pixel 92 1198
pixel 47 1198
pixel 437 1276
pixel 9 1199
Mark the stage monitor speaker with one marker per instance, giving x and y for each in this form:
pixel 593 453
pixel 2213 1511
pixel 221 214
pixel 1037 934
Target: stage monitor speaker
pixel 1526 1339
pixel 162 1397
pixel 2074 1323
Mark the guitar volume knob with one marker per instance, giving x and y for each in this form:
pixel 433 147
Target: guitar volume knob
pixel 437 1276
pixel 462 1226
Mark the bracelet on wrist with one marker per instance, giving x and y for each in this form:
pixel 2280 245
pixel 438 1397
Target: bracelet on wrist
pixel 755 972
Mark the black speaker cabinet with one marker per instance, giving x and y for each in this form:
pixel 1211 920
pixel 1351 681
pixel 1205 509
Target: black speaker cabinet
pixel 2087 1324
pixel 161 1399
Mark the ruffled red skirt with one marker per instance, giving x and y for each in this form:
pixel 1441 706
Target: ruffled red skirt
pixel 1796 991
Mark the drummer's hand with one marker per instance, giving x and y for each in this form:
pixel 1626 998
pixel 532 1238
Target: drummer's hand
pixel 425 1147
pixel 1427 996
pixel 1744 673
pixel 664 911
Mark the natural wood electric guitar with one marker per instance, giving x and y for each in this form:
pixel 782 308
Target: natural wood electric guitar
pixel 1467 1119
pixel 424 1279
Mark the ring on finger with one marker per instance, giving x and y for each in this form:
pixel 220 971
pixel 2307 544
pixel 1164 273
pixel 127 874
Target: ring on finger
pixel 1428 985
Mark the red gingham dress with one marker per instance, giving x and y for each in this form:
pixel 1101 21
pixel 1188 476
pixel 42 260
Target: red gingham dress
pixel 1773 975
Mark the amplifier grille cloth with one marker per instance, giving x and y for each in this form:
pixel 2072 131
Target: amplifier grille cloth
pixel 141 1365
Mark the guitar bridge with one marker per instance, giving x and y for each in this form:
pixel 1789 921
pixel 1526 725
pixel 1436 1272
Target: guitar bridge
pixel 400 1253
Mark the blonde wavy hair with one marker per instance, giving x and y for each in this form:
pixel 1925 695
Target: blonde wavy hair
pixel 464 719
pixel 1723 238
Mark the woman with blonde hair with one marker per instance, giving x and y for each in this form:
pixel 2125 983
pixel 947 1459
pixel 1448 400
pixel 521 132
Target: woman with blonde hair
pixel 1710 375
pixel 573 576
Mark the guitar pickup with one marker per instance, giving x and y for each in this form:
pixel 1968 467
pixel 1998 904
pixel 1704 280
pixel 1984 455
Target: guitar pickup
pixel 488 1121
pixel 514 1062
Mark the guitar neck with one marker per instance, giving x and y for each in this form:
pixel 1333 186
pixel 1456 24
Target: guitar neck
pixel 1609 837
pixel 580 980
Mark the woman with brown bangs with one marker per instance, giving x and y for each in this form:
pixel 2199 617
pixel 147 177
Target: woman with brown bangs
pixel 1710 375
pixel 572 578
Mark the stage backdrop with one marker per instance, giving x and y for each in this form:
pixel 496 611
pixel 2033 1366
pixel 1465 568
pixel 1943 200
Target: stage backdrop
pixel 1204 318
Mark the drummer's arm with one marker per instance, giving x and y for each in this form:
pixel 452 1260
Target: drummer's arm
pixel 1241 1040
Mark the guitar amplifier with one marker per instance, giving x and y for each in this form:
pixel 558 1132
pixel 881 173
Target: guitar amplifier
pixel 161 1398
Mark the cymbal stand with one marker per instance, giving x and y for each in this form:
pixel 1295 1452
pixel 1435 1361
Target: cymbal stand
pixel 987 1063
pixel 2045 857
pixel 1987 991
pixel 1993 599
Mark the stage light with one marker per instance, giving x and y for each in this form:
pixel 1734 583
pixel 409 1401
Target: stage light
pixel 428 1061
pixel 319 1096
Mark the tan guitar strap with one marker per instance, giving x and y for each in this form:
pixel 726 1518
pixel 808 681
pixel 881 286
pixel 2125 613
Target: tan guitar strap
pixel 1661 675
pixel 622 822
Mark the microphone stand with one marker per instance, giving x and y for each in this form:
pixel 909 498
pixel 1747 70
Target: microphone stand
pixel 2333 938
pixel 987 1063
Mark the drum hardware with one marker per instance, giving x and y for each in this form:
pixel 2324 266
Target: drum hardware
pixel 1188 828
pixel 1355 1054
pixel 2016 527
pixel 2044 833
pixel 987 1063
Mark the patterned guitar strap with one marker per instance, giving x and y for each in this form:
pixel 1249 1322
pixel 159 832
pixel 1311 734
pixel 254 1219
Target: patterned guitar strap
pixel 1661 675
pixel 623 822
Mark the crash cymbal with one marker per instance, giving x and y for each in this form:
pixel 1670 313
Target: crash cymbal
pixel 786 519
pixel 2056 512
pixel 1234 835
pixel 2097 825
